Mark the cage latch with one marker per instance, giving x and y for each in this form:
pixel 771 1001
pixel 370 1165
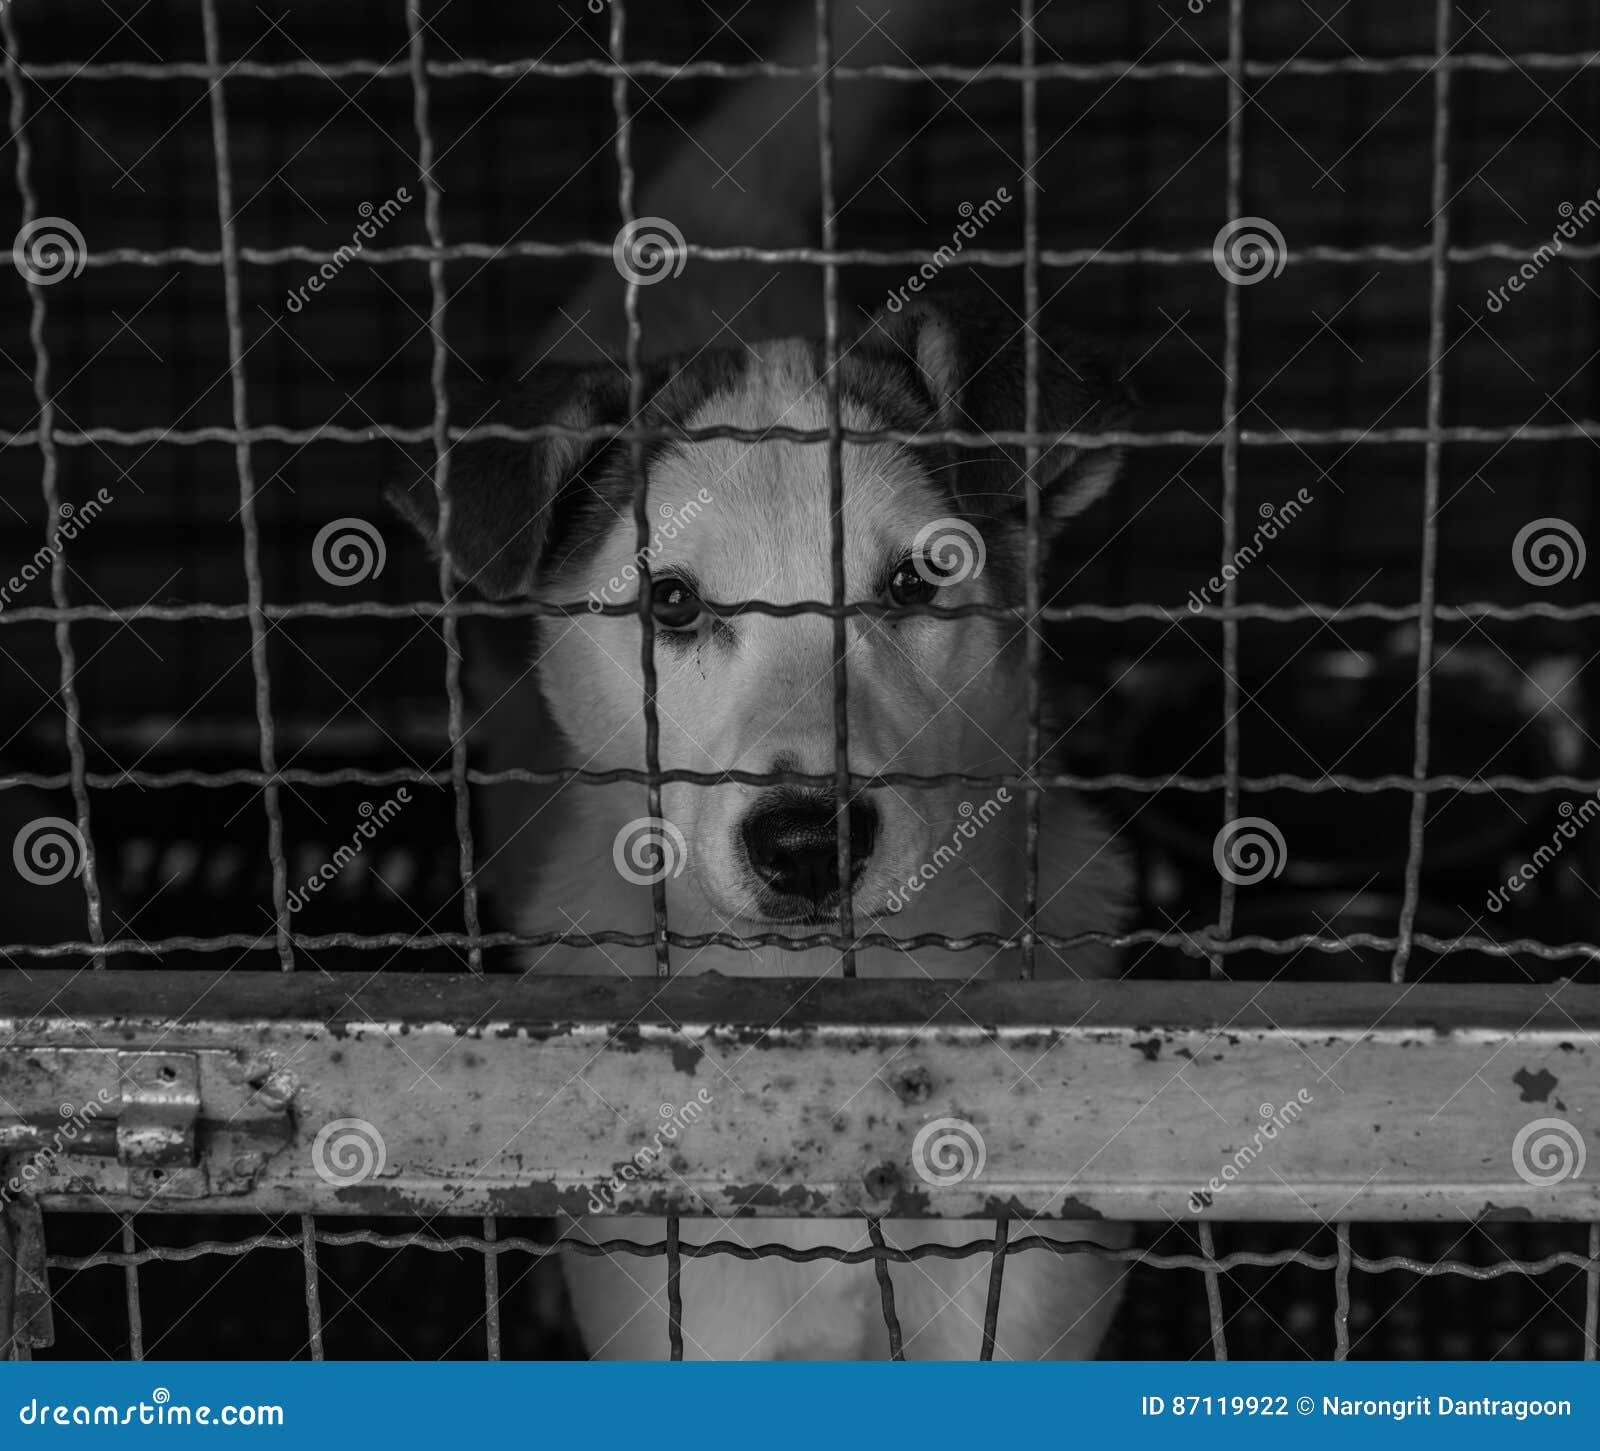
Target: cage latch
pixel 148 1123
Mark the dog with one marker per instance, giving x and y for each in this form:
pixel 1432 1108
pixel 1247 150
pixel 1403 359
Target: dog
pixel 923 524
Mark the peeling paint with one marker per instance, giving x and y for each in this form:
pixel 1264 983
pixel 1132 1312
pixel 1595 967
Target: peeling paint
pixel 1013 1208
pixel 686 1056
pixel 769 1196
pixel 1536 1087
pixel 629 1038
pixel 1492 1210
pixel 910 1203
pixel 1074 1208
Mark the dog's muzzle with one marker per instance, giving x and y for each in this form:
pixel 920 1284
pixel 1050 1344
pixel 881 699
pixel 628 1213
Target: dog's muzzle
pixel 791 842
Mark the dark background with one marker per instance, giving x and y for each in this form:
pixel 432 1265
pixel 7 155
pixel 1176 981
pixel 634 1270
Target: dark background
pixel 1128 164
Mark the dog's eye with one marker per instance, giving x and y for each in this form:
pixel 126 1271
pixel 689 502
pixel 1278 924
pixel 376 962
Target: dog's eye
pixel 914 582
pixel 674 605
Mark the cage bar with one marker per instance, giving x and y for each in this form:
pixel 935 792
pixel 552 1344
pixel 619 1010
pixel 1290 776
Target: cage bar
pixel 623 146
pixel 880 1267
pixel 997 1270
pixel 1052 257
pixel 1580 429
pixel 989 73
pixel 1032 563
pixel 1341 1293
pixel 491 1291
pixel 1219 1329
pixel 1105 781
pixel 1591 1297
pixel 1439 284
pixel 1232 363
pixel 130 1281
pixel 1187 943
pixel 248 524
pixel 823 13
pixel 313 1288
pixel 438 367
pixel 674 1291
pixel 54 508
pixel 1224 1264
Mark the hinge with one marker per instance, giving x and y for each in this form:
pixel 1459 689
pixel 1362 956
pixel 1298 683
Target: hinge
pixel 144 1122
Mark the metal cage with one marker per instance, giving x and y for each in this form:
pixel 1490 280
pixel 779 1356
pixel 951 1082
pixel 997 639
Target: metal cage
pixel 217 1081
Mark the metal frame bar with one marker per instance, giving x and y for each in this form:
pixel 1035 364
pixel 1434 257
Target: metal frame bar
pixel 1434 1094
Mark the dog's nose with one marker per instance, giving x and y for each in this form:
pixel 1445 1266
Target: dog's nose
pixel 792 843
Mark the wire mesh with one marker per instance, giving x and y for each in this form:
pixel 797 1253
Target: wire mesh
pixel 1339 1264
pixel 1231 438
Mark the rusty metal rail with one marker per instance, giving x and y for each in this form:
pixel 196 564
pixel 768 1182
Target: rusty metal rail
pixel 714 1096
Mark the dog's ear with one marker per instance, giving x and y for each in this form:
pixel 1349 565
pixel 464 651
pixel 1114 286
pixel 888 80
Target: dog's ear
pixel 510 500
pixel 968 356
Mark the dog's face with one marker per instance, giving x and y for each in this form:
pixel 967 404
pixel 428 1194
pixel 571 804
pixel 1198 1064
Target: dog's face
pixel 732 520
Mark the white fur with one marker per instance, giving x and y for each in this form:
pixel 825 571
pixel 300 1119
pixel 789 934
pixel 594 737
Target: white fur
pixel 924 696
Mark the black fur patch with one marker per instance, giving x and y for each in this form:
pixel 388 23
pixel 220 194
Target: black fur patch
pixel 526 512
pixel 675 389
